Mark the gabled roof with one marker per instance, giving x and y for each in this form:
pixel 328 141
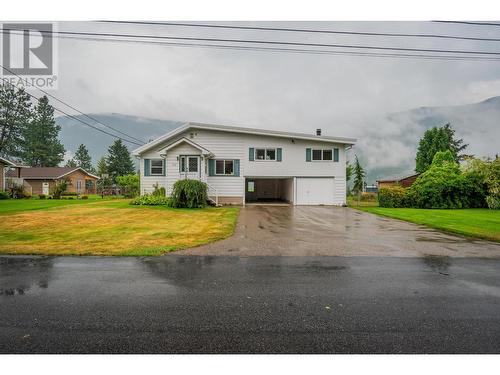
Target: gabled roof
pixel 189 142
pixel 7 162
pixel 51 173
pixel 236 129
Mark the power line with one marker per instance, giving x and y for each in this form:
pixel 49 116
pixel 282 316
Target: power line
pixel 471 23
pixel 75 109
pixel 290 50
pixel 295 50
pixel 340 32
pixel 76 118
pixel 267 42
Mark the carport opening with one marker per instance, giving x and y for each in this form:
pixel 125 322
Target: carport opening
pixel 269 190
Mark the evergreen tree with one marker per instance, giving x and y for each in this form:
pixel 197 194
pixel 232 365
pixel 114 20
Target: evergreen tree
pixel 83 159
pixel 71 163
pixel 102 168
pixel 41 146
pixel 436 140
pixel 119 162
pixel 348 171
pixel 15 114
pixel 359 176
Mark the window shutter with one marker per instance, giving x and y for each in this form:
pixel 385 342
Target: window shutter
pixel 147 169
pixel 211 167
pixel 250 154
pixel 335 154
pixel 279 153
pixel 236 166
pixel 308 154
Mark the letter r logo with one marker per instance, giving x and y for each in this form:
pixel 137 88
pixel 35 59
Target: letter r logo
pixel 27 48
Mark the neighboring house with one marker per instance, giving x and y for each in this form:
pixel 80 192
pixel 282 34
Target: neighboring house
pixel 248 165
pixel 4 165
pixel 371 189
pixel 41 180
pixel 401 181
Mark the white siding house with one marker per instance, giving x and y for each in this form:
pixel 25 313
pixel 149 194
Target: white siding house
pixel 242 165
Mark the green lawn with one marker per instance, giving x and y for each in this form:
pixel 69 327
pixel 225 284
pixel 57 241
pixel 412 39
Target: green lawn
pixel 10 206
pixel 474 222
pixel 107 227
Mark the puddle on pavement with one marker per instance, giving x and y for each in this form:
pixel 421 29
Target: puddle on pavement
pixel 438 263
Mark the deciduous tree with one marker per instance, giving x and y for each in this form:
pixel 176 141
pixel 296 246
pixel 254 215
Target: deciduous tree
pixel 436 140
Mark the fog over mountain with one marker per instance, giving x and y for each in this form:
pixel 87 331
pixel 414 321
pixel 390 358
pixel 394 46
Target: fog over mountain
pixel 386 145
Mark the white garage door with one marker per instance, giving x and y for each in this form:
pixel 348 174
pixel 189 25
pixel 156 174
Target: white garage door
pixel 313 191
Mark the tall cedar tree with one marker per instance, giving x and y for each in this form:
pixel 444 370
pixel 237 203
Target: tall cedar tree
pixel 118 161
pixel 83 159
pixel 102 168
pixel 41 146
pixel 71 163
pixel 15 114
pixel 436 140
pixel 359 177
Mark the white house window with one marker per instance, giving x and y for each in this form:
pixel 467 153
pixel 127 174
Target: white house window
pixel 79 185
pixel 156 167
pixel 189 163
pixel 318 155
pixel 265 154
pixel 224 167
pixel 327 154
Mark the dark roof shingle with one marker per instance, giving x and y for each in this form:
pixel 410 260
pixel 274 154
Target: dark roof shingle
pixel 41 172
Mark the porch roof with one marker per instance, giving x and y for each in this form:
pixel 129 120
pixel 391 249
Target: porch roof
pixel 203 150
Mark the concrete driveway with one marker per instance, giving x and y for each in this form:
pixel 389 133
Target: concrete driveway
pixel 337 231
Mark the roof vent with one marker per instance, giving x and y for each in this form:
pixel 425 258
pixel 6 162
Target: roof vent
pixel 318 131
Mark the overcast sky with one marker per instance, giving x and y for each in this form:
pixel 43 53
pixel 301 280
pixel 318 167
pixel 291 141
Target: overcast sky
pixel 271 89
pixel 284 91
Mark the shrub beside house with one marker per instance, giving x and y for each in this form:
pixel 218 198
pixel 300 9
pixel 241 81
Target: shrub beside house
pixel 446 185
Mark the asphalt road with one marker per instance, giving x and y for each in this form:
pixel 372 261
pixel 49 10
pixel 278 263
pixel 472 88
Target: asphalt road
pixel 193 304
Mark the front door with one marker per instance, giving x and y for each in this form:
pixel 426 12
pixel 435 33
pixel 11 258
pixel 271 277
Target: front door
pixel 190 166
pixel 45 188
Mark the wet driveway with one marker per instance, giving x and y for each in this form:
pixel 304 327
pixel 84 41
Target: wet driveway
pixel 331 231
pixel 180 304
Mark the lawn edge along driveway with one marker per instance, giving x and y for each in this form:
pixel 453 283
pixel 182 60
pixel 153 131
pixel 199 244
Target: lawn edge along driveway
pixel 480 223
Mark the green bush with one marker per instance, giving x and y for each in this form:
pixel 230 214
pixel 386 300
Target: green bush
pixel 393 196
pixel 4 195
pixel 151 200
pixel 85 197
pixel 59 189
pixel 129 185
pixel 368 197
pixel 444 186
pixel 159 191
pixel 189 194
pixel 487 174
pixel 493 202
pixel 69 194
pixel 18 192
pixel 42 196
